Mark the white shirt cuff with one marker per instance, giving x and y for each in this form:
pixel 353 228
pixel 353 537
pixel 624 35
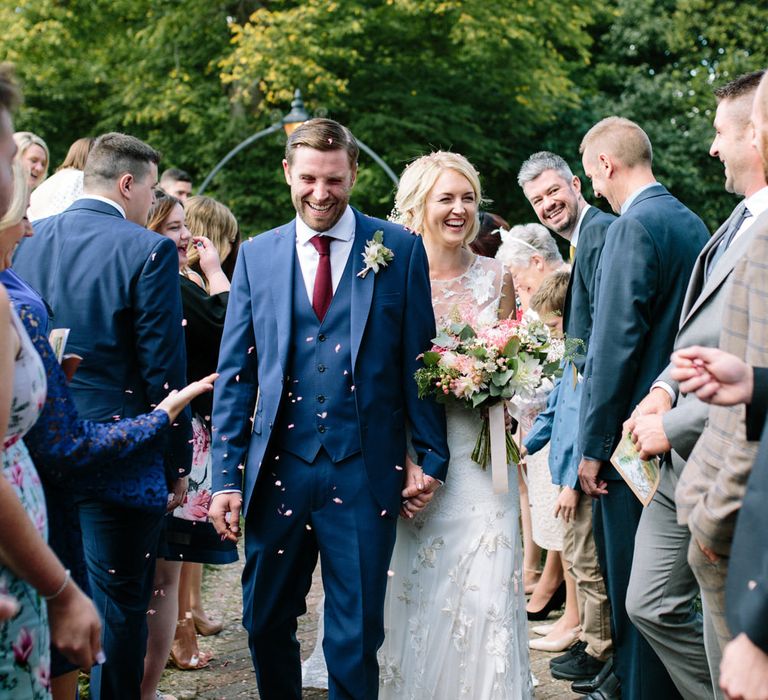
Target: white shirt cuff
pixel 667 388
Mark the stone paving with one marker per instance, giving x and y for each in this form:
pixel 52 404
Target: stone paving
pixel 230 674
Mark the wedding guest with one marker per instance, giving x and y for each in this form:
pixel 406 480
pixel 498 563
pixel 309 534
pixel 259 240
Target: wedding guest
pixel 188 536
pixel 33 154
pixel 33 576
pixel 207 218
pixel 555 194
pixel 712 486
pixel 531 255
pixel 548 302
pixel 126 323
pixel 307 318
pixel 456 627
pixel 642 276
pixel 177 183
pixel 57 192
pixel 668 424
pixel 488 237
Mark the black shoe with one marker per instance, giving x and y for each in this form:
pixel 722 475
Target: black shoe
pixel 582 666
pixel 592 684
pixel 554 603
pixel 609 690
pixel 569 654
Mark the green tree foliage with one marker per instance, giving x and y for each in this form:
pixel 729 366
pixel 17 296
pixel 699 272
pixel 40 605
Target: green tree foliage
pixel 493 80
pixel 412 75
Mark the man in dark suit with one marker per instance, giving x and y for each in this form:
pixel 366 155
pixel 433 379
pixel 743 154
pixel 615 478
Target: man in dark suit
pixel 642 277
pixel 320 355
pixel 555 195
pixel 663 588
pixel 115 285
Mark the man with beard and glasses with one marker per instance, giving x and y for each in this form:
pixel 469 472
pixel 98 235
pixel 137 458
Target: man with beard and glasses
pixel 555 195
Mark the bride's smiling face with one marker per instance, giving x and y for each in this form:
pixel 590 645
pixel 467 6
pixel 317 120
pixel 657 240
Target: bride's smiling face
pixel 450 209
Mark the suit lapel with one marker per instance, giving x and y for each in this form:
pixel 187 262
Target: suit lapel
pixel 362 287
pixel 700 288
pixel 591 212
pixel 283 261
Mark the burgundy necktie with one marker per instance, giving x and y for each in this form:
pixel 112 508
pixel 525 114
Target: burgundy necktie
pixel 323 291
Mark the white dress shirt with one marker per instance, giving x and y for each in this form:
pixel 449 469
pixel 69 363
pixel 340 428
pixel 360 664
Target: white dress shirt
pixel 343 235
pixel 106 200
pixel 577 228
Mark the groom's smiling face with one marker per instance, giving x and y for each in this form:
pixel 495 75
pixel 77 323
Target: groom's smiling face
pixel 321 182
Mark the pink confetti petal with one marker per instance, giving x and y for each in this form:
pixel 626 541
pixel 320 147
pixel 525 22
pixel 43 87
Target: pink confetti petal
pixel 183 322
pixel 288 513
pixel 390 573
pixel 338 347
pixel 338 500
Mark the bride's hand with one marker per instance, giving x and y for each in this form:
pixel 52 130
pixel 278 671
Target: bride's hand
pixel 418 491
pixel 176 401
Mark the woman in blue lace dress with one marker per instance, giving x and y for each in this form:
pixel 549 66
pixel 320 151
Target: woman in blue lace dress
pixel 71 454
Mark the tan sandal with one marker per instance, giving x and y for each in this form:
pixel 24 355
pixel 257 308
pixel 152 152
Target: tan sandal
pixel 206 626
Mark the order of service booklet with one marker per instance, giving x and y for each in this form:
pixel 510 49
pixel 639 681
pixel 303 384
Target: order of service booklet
pixel 642 475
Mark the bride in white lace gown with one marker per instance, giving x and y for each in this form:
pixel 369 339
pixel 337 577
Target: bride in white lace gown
pixel 454 617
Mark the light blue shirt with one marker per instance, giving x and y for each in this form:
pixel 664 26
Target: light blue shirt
pixel 558 425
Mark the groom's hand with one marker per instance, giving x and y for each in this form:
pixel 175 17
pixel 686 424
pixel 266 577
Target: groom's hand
pixel 418 491
pixel 223 504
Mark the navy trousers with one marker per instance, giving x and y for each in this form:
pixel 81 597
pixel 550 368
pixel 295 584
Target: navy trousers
pixel 297 511
pixel 120 547
pixel 614 522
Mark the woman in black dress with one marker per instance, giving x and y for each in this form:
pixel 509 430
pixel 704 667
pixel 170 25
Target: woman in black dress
pixel 189 537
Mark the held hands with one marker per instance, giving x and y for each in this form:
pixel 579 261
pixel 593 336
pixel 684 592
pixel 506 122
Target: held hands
pixel 715 376
pixel 658 402
pixel 589 469
pixel 567 501
pixel 418 491
pixel 744 670
pixel 75 627
pixel 224 513
pixel 176 401
pixel 649 436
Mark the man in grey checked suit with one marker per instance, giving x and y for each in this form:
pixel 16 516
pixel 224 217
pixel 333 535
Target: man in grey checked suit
pixel 660 598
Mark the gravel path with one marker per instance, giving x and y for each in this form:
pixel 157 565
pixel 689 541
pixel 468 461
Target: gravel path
pixel 230 674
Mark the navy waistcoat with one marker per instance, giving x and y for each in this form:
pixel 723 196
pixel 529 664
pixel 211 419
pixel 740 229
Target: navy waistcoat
pixel 319 407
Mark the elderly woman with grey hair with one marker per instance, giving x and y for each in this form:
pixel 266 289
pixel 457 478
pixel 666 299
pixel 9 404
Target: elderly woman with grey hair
pixel 530 252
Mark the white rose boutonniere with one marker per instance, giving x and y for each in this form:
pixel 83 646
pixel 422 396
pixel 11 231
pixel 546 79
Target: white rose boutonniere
pixel 376 255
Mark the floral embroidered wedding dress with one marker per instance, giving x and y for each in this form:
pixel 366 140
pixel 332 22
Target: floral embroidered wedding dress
pixel 455 622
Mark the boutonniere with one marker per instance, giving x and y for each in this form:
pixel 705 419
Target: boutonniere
pixel 376 255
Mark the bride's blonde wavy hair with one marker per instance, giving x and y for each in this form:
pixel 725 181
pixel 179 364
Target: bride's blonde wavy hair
pixel 418 179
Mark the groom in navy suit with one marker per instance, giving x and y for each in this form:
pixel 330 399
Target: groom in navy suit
pixel 317 359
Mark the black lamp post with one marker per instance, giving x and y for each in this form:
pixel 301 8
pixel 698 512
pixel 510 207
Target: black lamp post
pixel 289 123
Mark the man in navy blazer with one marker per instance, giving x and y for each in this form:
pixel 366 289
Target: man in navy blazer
pixel 316 387
pixel 115 285
pixel 555 195
pixel 642 278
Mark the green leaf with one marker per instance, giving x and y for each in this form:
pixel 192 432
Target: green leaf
pixel 511 348
pixel 479 398
pixel 431 358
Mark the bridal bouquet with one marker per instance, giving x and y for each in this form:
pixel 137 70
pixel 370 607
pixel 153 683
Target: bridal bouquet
pixel 480 366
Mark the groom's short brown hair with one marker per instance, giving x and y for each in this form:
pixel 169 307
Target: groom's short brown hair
pixel 323 135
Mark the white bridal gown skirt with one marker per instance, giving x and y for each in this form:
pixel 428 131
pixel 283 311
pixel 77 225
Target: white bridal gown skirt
pixel 455 621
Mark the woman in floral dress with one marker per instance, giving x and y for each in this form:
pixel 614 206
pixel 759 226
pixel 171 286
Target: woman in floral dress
pixel 454 615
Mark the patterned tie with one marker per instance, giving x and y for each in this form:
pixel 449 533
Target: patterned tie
pixel 726 240
pixel 572 254
pixel 323 291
